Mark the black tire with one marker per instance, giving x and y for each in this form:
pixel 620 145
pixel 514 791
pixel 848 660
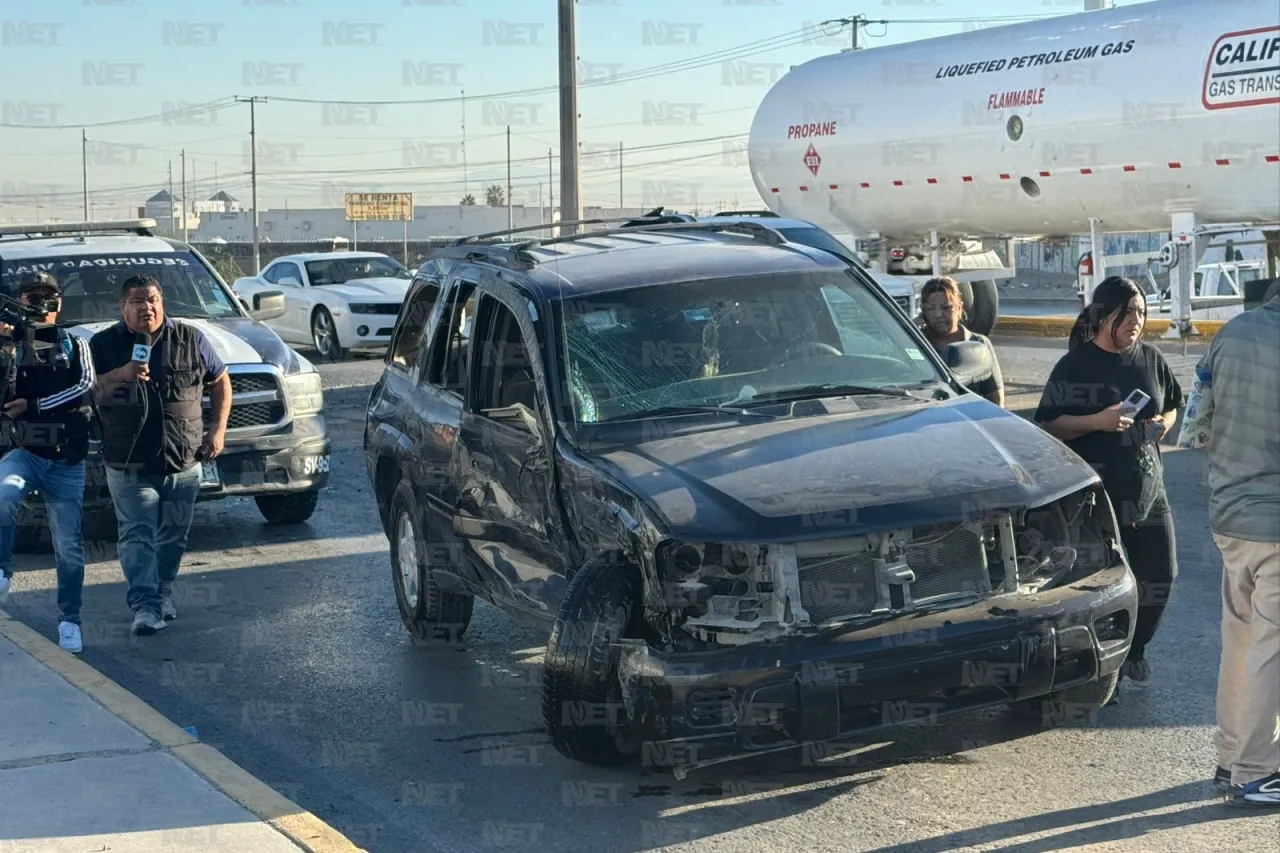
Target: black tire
pixel 330 348
pixel 580 671
pixel 429 613
pixel 981 305
pixel 1083 699
pixel 293 508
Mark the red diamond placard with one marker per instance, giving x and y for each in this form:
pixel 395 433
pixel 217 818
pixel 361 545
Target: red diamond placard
pixel 812 160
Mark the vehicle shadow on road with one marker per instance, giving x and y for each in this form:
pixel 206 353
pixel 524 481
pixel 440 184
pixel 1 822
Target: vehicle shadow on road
pixel 1113 822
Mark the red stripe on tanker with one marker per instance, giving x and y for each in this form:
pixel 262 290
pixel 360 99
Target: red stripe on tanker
pixel 1083 94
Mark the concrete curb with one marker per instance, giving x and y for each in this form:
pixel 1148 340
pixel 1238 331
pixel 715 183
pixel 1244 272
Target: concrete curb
pixel 1060 327
pixel 286 817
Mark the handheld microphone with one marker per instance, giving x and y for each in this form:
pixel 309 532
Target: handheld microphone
pixel 142 347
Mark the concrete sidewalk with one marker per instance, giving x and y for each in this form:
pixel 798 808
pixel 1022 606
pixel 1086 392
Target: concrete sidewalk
pixel 85 765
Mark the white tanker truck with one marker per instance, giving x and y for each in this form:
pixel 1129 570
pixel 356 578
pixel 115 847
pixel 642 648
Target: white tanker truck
pixel 1161 116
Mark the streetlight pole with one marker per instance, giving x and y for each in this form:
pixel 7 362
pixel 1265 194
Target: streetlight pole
pixel 84 170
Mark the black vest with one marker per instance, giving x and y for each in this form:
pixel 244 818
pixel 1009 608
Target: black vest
pixel 62 434
pixel 166 443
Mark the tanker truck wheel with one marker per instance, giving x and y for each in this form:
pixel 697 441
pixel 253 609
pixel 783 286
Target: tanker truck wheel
pixel 981 305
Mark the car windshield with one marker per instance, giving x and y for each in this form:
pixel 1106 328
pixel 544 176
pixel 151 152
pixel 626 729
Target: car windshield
pixel 732 340
pixel 91 284
pixel 343 270
pixel 819 239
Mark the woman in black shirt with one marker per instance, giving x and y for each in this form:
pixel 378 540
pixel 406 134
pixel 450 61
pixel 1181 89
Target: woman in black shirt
pixel 942 309
pixel 1106 361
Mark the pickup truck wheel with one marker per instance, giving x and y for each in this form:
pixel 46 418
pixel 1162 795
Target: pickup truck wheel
pixel 324 335
pixel 580 675
pixel 428 612
pixel 981 304
pixel 1068 704
pixel 288 509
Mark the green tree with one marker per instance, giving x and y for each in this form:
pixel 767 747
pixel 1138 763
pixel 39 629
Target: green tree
pixel 494 196
pixel 227 268
pixel 468 199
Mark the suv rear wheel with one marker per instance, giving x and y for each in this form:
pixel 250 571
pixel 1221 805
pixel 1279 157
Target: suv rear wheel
pixel 428 612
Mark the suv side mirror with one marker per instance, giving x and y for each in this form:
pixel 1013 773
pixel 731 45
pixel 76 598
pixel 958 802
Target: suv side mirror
pixel 970 361
pixel 267 305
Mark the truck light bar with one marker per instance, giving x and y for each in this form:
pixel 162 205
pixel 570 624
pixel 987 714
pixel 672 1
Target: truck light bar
pixel 138 226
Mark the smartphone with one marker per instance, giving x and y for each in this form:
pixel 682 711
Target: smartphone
pixel 1134 402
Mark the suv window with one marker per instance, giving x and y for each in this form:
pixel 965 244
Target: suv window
pixel 506 371
pixel 413 324
pixel 340 270
pixel 452 339
pixel 739 339
pixel 91 284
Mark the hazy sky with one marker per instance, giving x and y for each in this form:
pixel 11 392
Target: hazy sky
pixel 84 62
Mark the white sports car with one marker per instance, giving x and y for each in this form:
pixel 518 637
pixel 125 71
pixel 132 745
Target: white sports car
pixel 334 301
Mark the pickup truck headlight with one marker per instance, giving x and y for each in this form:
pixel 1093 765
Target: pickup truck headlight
pixel 733 591
pixel 306 393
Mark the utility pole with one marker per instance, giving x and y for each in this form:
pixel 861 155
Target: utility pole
pixel 620 204
pixel 253 174
pixel 551 191
pixel 510 215
pixel 172 228
pixel 184 195
pixel 84 170
pixel 854 23
pixel 466 185
pixel 570 186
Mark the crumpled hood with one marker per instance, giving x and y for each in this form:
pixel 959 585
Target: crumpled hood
pixel 901 463
pixel 236 340
pixel 378 289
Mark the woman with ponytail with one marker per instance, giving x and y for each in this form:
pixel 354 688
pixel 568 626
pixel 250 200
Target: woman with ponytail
pixel 1107 360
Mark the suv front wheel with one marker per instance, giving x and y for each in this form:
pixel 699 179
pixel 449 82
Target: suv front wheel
pixel 292 508
pixel 428 612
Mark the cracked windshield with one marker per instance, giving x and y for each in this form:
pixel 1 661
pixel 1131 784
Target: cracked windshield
pixel 732 341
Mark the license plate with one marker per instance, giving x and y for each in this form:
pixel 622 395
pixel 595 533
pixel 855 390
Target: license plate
pixel 315 465
pixel 209 474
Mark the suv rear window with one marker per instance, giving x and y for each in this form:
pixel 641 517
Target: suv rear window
pixel 91 284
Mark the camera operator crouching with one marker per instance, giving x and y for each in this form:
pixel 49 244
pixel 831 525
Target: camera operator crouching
pixel 47 410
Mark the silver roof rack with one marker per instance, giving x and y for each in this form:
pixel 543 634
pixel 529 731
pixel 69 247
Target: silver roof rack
pixel 141 227
pixel 462 241
pixel 754 230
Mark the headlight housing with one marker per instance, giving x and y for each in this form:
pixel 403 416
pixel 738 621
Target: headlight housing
pixel 362 308
pixel 306 393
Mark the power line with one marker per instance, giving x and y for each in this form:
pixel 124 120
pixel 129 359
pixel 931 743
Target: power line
pixel 185 112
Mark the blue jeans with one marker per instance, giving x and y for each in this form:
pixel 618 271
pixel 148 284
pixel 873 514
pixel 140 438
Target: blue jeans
pixel 154 514
pixel 22 472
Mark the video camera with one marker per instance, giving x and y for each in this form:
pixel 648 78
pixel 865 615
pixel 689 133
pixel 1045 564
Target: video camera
pixel 39 340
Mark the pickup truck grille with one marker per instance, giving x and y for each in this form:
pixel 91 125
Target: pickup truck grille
pixel 257 402
pixel 948 561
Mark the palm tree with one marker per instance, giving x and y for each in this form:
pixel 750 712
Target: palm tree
pixel 494 196
pixel 468 199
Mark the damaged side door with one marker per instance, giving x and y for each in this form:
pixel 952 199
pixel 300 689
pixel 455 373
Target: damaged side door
pixel 505 510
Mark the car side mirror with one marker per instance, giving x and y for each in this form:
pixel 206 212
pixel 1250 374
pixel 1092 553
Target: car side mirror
pixel 517 414
pixel 970 361
pixel 267 305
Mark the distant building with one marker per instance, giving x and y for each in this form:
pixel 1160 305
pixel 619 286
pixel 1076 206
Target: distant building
pixel 219 202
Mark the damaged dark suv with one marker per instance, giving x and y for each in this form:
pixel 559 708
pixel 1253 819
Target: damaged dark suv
pixel 753 506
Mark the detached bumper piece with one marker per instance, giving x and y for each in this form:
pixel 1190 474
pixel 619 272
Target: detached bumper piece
pixel 700 708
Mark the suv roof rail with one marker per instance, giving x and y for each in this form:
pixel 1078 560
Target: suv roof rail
pixel 462 241
pixel 765 214
pixel 141 227
pixel 754 230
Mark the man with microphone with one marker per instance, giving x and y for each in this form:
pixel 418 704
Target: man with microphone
pixel 152 374
pixel 46 406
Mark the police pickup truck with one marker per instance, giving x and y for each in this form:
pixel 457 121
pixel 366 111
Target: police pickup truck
pixel 277 448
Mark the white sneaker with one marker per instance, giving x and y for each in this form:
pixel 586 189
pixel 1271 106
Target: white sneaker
pixel 4 588
pixel 69 637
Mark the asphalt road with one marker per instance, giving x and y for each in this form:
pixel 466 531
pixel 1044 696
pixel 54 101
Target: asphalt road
pixel 288 655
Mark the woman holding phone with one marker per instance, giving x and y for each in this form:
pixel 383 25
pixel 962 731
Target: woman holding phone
pixel 1083 404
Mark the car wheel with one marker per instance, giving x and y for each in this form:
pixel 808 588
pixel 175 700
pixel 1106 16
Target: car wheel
pixel 428 612
pixel 1069 704
pixel 292 508
pixel 324 335
pixel 580 671
pixel 981 305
